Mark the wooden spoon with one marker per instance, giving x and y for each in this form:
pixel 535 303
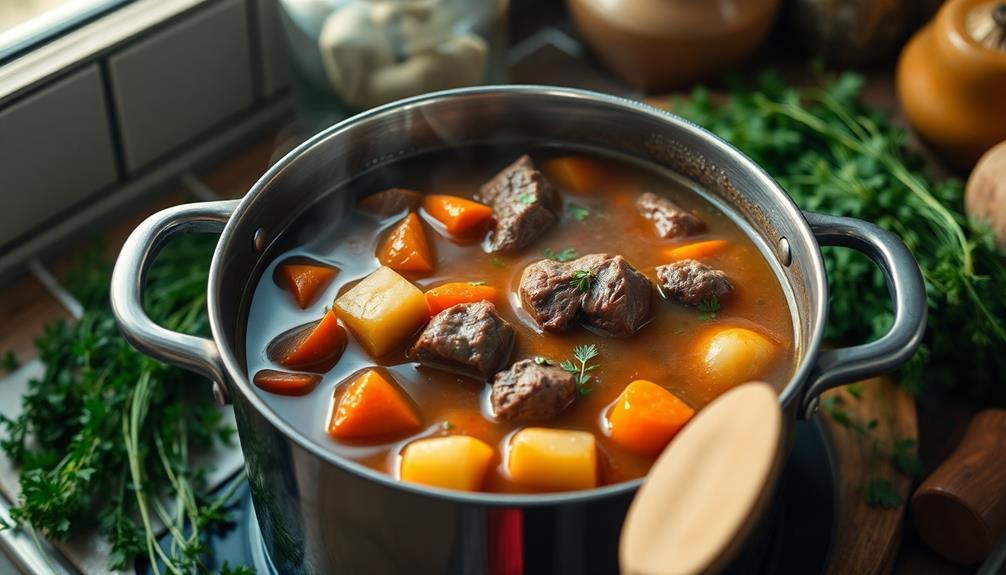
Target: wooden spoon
pixel 707 488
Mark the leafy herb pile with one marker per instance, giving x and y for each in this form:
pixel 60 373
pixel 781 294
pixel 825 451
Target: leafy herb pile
pixel 107 432
pixel 835 155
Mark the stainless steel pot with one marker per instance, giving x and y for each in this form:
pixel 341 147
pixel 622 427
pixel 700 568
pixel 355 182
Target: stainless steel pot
pixel 319 513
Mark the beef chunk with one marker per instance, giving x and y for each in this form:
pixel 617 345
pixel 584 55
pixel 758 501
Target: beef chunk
pixel 523 203
pixel 618 300
pixel 689 282
pixel 670 219
pixel 390 202
pixel 469 338
pixel 530 391
pixel 547 292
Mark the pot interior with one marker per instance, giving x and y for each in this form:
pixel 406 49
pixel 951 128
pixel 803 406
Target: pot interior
pixel 511 116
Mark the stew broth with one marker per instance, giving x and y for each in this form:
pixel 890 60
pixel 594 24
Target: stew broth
pixel 668 350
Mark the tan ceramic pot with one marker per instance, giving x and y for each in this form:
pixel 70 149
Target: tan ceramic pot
pixel 952 86
pixel 663 44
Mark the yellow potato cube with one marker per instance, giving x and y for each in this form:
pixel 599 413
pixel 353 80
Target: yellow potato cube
pixel 382 310
pixel 453 462
pixel 736 355
pixel 553 459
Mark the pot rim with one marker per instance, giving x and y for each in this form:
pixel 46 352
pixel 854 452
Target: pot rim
pixel 235 371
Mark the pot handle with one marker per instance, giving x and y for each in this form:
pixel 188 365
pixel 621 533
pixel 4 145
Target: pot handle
pixel 907 289
pixel 128 278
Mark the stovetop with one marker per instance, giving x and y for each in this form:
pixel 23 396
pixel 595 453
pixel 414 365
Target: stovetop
pixel 795 536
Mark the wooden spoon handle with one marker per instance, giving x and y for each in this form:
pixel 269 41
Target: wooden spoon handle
pixel 960 509
pixel 706 488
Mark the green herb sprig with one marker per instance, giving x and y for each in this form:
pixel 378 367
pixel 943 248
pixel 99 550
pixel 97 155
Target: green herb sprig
pixel 708 308
pixel 583 354
pixel 582 280
pixel 564 255
pixel 835 155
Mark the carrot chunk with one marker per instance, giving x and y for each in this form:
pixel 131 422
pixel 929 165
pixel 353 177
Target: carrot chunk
pixel 405 250
pixel 372 405
pixel 575 174
pixel 304 281
pixel 314 347
pixel 459 216
pixel 286 383
pixel 646 417
pixel 444 296
pixel 697 250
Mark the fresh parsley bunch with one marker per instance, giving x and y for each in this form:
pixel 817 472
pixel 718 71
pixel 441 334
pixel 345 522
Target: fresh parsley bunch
pixel 835 155
pixel 106 431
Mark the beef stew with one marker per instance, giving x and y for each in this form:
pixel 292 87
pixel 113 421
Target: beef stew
pixel 559 316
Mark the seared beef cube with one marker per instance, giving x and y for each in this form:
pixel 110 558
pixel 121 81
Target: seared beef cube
pixel 670 219
pixel 523 203
pixel 548 293
pixel 690 282
pixel 618 300
pixel 530 391
pixel 390 202
pixel 468 338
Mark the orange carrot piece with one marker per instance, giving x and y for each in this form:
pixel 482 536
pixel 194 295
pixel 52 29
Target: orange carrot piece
pixel 372 405
pixel 286 383
pixel 575 174
pixel 405 250
pixel 444 296
pixel 304 281
pixel 459 216
pixel 645 417
pixel 316 346
pixel 697 250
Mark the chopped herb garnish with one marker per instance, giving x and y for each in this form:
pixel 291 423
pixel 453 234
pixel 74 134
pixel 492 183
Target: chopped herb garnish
pixel 881 493
pixel 527 198
pixel 581 373
pixel 566 255
pixel 581 280
pixel 855 390
pixel 577 212
pixel 9 362
pixel 708 308
pixel 498 262
pixel 447 426
pixel 477 283
pixel 542 360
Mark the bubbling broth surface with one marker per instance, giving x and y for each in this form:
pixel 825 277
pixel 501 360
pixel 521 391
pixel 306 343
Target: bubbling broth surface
pixel 668 350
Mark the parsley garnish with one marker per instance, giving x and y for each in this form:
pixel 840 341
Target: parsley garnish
pixel 527 198
pixel 708 308
pixel 880 492
pixel 577 212
pixel 581 373
pixel 581 280
pixel 566 255
pixel 498 262
pixel 477 283
pixel 542 360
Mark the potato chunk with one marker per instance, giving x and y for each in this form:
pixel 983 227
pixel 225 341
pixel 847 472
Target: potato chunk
pixel 736 355
pixel 553 459
pixel 382 310
pixel 453 462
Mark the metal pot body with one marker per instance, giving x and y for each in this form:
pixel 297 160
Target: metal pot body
pixel 319 513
